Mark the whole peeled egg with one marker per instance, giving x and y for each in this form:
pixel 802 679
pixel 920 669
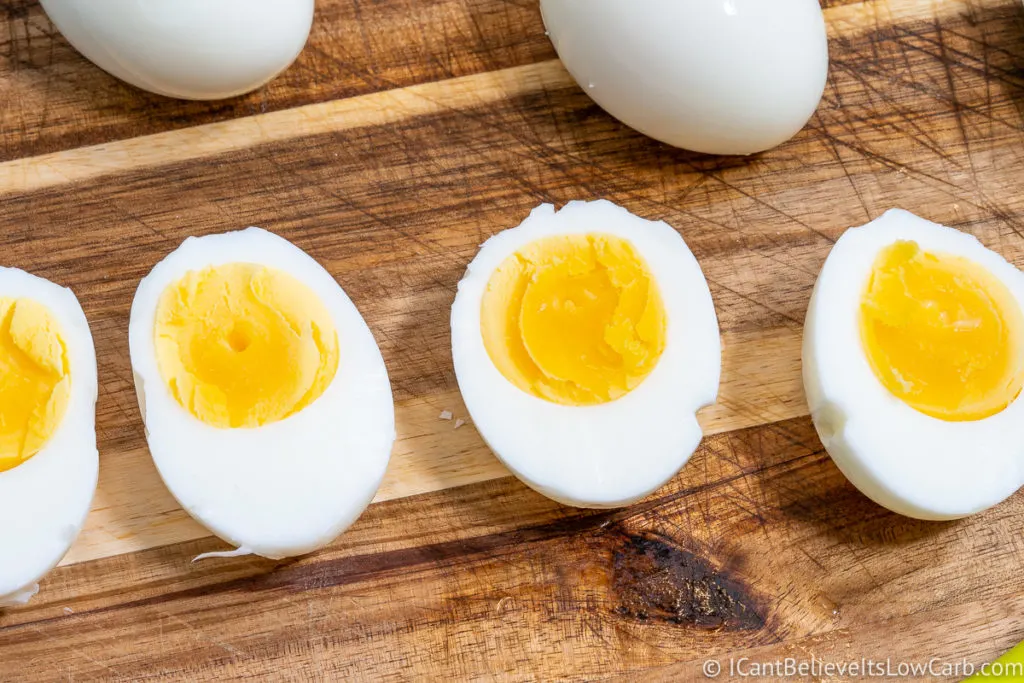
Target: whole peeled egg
pixel 190 49
pixel 713 76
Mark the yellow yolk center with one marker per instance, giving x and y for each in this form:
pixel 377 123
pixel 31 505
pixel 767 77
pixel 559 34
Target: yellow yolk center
pixel 574 319
pixel 942 333
pixel 241 345
pixel 35 382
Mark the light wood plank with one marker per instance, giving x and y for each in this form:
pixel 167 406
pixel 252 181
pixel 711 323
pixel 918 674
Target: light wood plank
pixel 134 511
pixel 376 109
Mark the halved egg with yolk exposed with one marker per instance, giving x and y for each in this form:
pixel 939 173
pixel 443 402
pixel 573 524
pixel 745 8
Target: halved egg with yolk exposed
pixel 267 406
pixel 585 341
pixel 913 364
pixel 48 458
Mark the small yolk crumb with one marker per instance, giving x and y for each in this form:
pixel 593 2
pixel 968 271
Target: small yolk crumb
pixel 35 382
pixel 242 345
pixel 574 319
pixel 942 333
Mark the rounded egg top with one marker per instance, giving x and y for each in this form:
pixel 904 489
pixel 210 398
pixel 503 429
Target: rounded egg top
pixel 713 76
pixel 189 49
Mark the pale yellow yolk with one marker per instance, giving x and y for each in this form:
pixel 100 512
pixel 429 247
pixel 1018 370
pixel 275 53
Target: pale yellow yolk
pixel 574 319
pixel 34 379
pixel 241 345
pixel 942 333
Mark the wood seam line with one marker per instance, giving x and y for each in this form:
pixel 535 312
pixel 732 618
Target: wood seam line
pixel 208 140
pixel 430 456
pixel 613 515
pixel 373 109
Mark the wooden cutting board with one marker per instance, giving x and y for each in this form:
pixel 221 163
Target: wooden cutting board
pixel 407 133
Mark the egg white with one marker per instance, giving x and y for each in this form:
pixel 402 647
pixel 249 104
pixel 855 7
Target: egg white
pixel 733 77
pixel 192 49
pixel 44 500
pixel 614 453
pixel 909 462
pixel 291 486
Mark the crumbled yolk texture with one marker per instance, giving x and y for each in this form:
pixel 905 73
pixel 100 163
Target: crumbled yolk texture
pixel 942 333
pixel 35 382
pixel 574 319
pixel 242 345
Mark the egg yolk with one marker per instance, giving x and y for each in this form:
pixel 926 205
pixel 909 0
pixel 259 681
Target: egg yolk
pixel 242 345
pixel 574 319
pixel 35 382
pixel 942 333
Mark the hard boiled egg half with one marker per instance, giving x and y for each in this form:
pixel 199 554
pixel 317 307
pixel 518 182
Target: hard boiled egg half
pixel 267 406
pixel 585 342
pixel 48 458
pixel 913 364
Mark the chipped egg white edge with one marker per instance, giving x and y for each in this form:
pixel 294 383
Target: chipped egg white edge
pixel 312 473
pixel 62 476
pixel 904 460
pixel 612 454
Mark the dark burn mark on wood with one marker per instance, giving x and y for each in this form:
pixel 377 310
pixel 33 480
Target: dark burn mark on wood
pixel 15 10
pixel 649 578
pixel 653 579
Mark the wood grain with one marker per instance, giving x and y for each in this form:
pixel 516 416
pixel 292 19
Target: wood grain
pixel 760 548
pixel 53 99
pixel 406 135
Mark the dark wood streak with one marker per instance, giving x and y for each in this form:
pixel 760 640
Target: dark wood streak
pixel 523 584
pixel 655 579
pixel 58 100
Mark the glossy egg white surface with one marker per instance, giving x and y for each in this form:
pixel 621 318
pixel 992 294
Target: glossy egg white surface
pixel 44 500
pixel 287 487
pixel 614 453
pixel 189 49
pixel 714 76
pixel 905 460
